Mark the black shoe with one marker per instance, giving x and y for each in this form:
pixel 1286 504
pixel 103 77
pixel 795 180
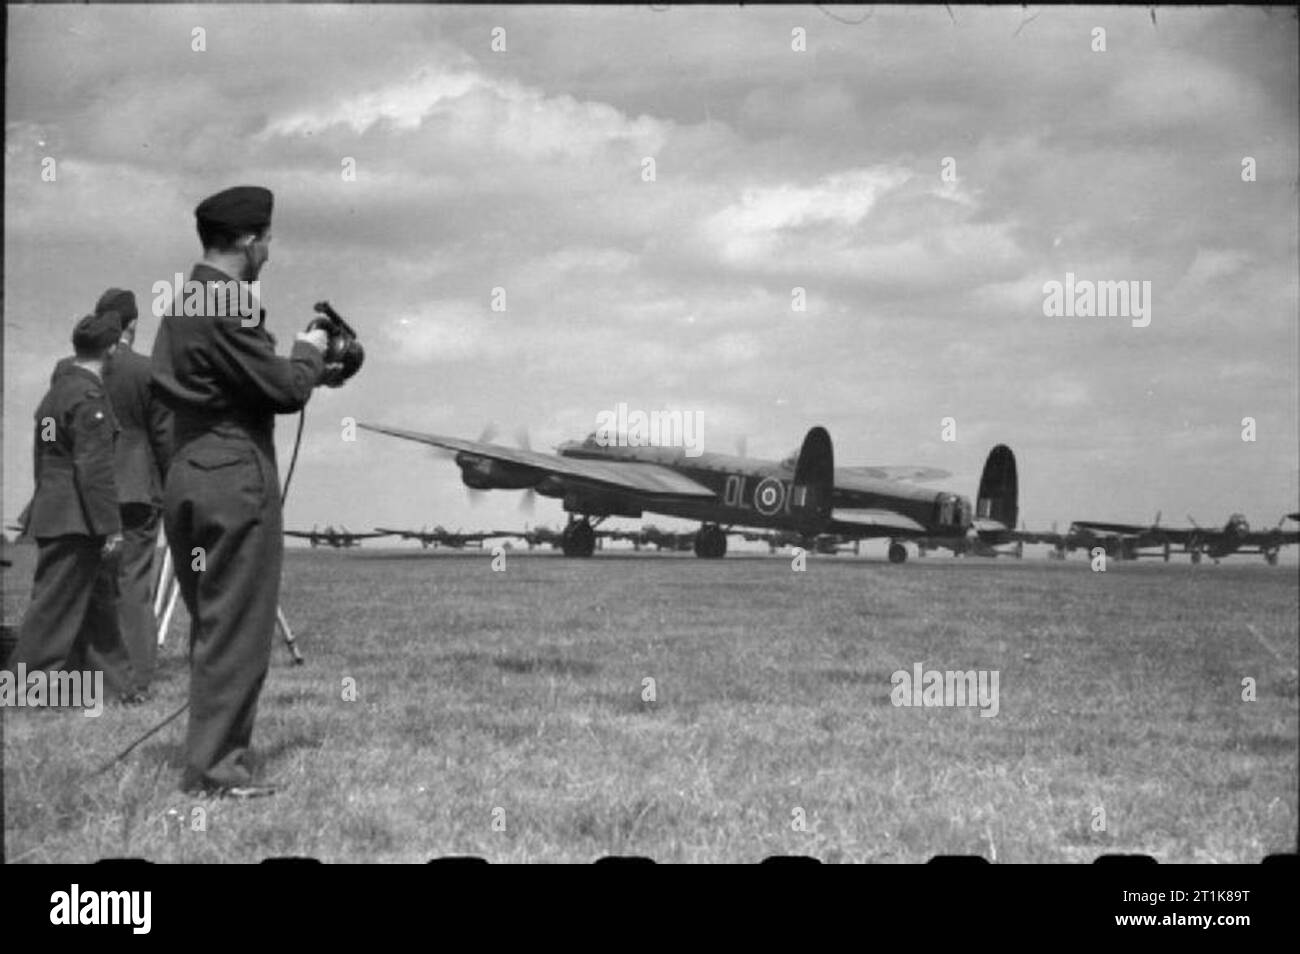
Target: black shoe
pixel 248 791
pixel 240 792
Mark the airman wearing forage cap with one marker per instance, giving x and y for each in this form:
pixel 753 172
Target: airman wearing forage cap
pixel 225 384
pixel 143 450
pixel 71 622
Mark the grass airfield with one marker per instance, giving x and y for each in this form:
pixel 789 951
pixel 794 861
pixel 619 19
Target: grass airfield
pixel 503 715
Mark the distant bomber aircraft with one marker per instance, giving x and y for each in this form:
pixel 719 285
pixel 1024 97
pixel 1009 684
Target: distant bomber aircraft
pixel 540 537
pixel 805 493
pixel 971 545
pixel 1126 540
pixel 441 537
pixel 334 538
pixel 826 543
pixel 652 536
pixel 1059 542
pixel 545 536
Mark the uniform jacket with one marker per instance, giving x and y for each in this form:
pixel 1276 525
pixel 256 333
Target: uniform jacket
pixel 75 489
pixel 217 375
pixel 144 444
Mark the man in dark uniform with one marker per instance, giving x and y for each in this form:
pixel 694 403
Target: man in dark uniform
pixel 224 384
pixel 71 623
pixel 143 450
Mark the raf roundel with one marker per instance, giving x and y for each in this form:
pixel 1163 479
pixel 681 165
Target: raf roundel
pixel 769 495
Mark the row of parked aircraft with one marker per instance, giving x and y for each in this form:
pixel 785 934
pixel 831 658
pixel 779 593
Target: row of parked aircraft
pixel 438 536
pixel 1118 541
pixel 803 500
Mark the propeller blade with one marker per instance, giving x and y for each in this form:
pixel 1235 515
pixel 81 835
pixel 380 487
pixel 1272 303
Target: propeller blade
pixel 528 502
pixel 489 432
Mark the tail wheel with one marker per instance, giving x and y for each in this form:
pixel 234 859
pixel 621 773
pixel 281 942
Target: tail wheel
pixel 897 553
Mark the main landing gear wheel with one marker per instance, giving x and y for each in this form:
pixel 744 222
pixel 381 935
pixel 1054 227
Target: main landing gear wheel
pixel 710 543
pixel 579 539
pixel 897 553
pixel 1196 556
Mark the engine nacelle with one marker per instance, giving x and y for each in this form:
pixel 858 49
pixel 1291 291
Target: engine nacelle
pixel 483 473
pixel 600 505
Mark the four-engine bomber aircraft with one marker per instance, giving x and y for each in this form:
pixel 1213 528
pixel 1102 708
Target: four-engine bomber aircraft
pixel 441 537
pixel 334 538
pixel 804 493
pixel 827 544
pixel 1127 540
pixel 971 545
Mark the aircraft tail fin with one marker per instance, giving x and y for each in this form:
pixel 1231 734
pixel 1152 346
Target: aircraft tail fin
pixel 814 480
pixel 997 506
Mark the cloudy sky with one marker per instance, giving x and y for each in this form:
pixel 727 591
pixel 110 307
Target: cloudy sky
pixel 774 168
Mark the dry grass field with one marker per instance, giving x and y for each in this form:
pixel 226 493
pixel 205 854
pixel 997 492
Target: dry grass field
pixel 502 714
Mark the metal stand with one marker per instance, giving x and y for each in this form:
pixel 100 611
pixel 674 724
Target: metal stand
pixel 169 591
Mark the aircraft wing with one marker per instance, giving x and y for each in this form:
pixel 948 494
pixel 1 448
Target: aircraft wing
pixel 1037 536
pixel 1111 529
pixel 1146 536
pixel 649 479
pixel 845 475
pixel 304 534
pixel 1264 538
pixel 854 522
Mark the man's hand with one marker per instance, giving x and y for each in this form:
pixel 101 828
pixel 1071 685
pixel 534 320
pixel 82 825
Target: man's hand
pixel 316 338
pixel 111 543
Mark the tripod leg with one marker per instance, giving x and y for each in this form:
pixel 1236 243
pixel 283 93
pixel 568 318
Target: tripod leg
pixel 165 576
pixel 166 622
pixel 288 636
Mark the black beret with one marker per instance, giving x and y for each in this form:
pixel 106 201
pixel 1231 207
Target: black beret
pixel 96 332
pixel 121 301
pixel 239 210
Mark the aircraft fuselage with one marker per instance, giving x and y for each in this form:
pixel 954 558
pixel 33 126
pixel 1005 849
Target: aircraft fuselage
pixel 757 493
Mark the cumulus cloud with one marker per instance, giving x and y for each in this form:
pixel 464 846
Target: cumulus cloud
pixel 774 170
